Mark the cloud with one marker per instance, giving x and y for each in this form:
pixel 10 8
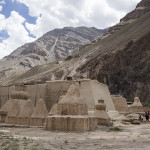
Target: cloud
pixel 16 32
pixel 53 14
pixel 123 5
pixel 2 2
pixel 59 13
pixel 1 8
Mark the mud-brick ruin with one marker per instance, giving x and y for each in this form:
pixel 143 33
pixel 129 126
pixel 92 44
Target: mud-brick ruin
pixel 120 104
pixel 72 114
pixel 101 114
pixel 25 114
pixel 15 104
pixel 137 106
pixel 39 114
pixel 76 105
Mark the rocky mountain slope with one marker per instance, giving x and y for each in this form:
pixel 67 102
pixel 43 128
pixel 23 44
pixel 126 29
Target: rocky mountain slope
pixel 50 47
pixel 120 59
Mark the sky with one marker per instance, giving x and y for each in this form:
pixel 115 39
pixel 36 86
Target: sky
pixel 23 21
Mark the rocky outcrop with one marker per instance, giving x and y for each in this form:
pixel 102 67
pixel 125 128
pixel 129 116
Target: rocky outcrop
pixel 141 8
pixel 126 71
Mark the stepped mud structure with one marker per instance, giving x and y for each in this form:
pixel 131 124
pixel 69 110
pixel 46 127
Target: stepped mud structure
pixel 120 104
pixel 4 110
pixel 18 98
pixel 72 114
pixel 137 106
pixel 90 90
pixel 101 114
pixel 39 114
pixel 12 107
pixel 51 91
pixel 25 114
pixel 54 110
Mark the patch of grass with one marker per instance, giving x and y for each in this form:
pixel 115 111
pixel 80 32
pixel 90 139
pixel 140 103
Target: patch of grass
pixel 35 146
pixel 115 129
pixel 15 146
pixel 1 133
pixel 66 142
pixel 5 143
pixel 10 145
pixel 24 138
pixel 26 141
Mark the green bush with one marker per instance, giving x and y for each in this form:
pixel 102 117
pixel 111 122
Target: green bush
pixel 115 129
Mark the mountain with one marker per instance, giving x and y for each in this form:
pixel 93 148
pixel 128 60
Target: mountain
pixel 120 59
pixel 52 46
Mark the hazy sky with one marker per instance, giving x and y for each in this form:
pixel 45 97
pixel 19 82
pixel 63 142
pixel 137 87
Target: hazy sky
pixel 23 21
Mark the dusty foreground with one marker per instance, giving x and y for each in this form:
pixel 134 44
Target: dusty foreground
pixel 131 137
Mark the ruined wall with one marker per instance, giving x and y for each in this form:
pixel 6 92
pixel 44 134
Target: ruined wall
pixel 35 91
pixel 55 89
pixel 90 90
pixel 101 91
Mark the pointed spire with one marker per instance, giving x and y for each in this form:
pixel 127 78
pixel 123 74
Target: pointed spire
pixel 40 110
pixel 73 91
pixel 27 109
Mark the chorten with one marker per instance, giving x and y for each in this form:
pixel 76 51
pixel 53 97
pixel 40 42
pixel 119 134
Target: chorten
pixel 4 110
pixel 72 114
pixel 120 104
pixel 101 114
pixel 25 114
pixel 137 106
pixel 53 110
pixel 39 114
pixel 18 98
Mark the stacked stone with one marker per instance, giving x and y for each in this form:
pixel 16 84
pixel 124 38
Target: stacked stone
pixel 137 106
pixel 72 114
pixel 39 114
pixel 101 114
pixel 18 99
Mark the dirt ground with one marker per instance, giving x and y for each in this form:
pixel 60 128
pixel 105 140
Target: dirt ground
pixel 125 137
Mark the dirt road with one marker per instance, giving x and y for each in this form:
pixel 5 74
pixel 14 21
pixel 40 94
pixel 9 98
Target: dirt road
pixel 130 137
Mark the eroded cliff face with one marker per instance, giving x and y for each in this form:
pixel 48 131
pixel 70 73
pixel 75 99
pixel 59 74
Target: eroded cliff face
pixel 126 71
